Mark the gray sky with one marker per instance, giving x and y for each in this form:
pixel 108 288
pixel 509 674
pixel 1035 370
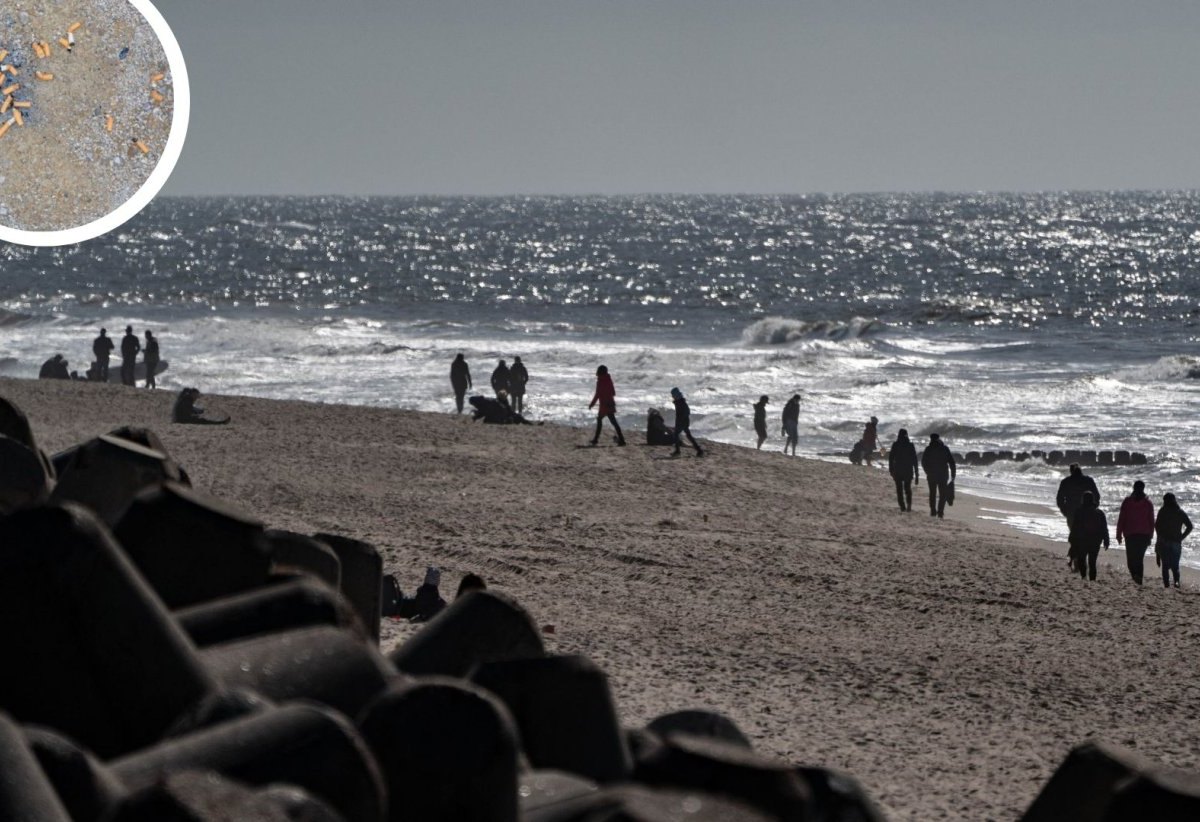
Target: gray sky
pixel 621 96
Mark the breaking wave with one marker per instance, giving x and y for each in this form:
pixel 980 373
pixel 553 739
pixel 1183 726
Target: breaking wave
pixel 782 331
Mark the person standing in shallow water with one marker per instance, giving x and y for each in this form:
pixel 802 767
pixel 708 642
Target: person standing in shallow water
pixel 150 356
pixel 870 438
pixel 902 465
pixel 683 423
pixel 517 378
pixel 760 420
pixel 940 470
pixel 1172 526
pixel 129 351
pixel 1089 530
pixel 102 348
pixel 791 423
pixel 460 380
pixel 1135 526
pixel 606 396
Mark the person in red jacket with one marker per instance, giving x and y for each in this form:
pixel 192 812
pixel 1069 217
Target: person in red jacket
pixel 1135 526
pixel 606 395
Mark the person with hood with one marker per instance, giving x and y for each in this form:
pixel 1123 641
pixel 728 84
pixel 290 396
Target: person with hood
pixel 760 420
pixel 791 423
pixel 902 465
pixel 129 351
pixel 102 348
pixel 500 380
pixel 869 439
pixel 940 470
pixel 460 380
pixel 1135 526
pixel 1172 526
pixel 683 422
pixel 150 357
pixel 1089 530
pixel 1072 489
pixel 54 368
pixel 606 396
pixel 517 378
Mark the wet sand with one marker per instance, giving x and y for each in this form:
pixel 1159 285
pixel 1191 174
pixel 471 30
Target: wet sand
pixel 948 665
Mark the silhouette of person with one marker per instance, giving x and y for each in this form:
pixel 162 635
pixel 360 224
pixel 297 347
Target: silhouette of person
pixel 902 465
pixel 1135 526
pixel 185 409
pixel 460 380
pixel 760 420
pixel 130 346
pixel 500 379
pixel 683 421
pixel 470 582
pixel 1171 526
pixel 54 368
pixel 606 396
pixel 791 423
pixel 1089 530
pixel 1072 489
pixel 150 356
pixel 940 471
pixel 517 378
pixel 102 348
pixel 869 438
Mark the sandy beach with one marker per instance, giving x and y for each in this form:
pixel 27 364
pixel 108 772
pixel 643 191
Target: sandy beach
pixel 948 665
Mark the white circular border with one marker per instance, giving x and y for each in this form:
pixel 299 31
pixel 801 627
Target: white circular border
pixel 166 163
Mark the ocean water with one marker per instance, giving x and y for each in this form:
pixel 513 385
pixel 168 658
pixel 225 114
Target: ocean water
pixel 1020 322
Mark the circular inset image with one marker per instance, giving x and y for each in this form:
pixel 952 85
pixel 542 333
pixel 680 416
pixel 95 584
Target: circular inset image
pixel 94 106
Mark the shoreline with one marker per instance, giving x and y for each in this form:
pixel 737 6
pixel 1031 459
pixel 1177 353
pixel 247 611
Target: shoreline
pixel 948 665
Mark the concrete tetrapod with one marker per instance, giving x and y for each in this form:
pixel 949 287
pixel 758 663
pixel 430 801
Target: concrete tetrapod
pixel 107 473
pixel 204 796
pixel 24 480
pixel 25 792
pixel 86 788
pixel 362 578
pixel 296 552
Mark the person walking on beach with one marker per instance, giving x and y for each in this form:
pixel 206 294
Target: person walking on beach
pixel 760 420
pixel 683 422
pixel 1135 526
pixel 460 380
pixel 791 423
pixel 150 356
pixel 1072 489
pixel 902 465
pixel 129 351
pixel 940 470
pixel 1089 530
pixel 500 380
pixel 102 348
pixel 517 378
pixel 869 439
pixel 1172 526
pixel 606 396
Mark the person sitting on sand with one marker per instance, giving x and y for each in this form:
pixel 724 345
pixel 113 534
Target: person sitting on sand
pixel 1089 530
pixel 683 422
pixel 606 396
pixel 102 348
pixel 940 470
pixel 869 439
pixel 54 368
pixel 760 420
pixel 460 380
pixel 1072 489
pixel 1135 527
pixel 1172 526
pixel 903 466
pixel 186 410
pixel 791 423
pixel 500 379
pixel 657 430
pixel 496 411
pixel 518 376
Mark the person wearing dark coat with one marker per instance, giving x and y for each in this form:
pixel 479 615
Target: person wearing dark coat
pixel 500 382
pixel 940 470
pixel 1072 489
pixel 129 351
pixel 760 420
pixel 902 465
pixel 1171 526
pixel 102 348
pixel 150 356
pixel 869 439
pixel 1089 530
pixel 683 422
pixel 606 396
pixel 460 380
pixel 517 379
pixel 1135 527
pixel 54 368
pixel 791 423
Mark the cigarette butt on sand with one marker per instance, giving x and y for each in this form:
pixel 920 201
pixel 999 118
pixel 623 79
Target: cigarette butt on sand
pixel 17 118
pixel 4 92
pixel 43 75
pixel 6 105
pixel 22 104
pixel 3 54
pixel 142 147
pixel 37 49
pixel 12 70
pixel 4 128
pixel 108 123
pixel 157 78
pixel 70 38
pixel 74 27
pixel 155 96
pixel 65 43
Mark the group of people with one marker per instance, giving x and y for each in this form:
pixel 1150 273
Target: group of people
pixel 1137 524
pixel 508 383
pixel 102 348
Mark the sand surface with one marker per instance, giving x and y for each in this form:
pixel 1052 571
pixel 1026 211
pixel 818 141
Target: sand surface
pixel 948 665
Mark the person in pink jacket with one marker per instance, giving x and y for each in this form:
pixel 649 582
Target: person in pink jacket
pixel 606 396
pixel 1135 525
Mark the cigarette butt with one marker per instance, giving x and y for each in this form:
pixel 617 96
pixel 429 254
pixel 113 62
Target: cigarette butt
pixel 6 105
pixel 108 123
pixel 65 43
pixel 43 75
pixel 70 38
pixel 4 92
pixel 37 49
pixel 3 53
pixel 41 49
pixel 142 147
pixel 22 104
pixel 74 27
pixel 156 78
pixel 155 96
pixel 4 128
pixel 12 70
pixel 18 118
